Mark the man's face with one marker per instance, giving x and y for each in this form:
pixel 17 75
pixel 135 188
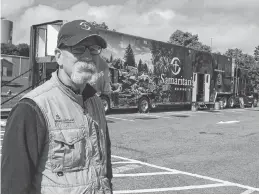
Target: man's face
pixel 77 61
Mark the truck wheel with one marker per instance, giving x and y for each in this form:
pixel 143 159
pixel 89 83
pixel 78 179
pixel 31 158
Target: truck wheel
pixel 231 102
pixel 225 102
pixel 106 104
pixel 143 105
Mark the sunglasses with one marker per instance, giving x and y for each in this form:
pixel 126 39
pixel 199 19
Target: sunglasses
pixel 81 49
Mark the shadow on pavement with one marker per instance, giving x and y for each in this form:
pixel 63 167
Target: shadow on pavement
pixel 156 110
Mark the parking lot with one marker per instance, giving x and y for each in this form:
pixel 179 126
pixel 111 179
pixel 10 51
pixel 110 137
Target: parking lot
pixel 184 151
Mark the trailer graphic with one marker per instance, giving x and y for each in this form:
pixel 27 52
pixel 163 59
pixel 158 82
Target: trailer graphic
pixel 144 73
pixel 174 74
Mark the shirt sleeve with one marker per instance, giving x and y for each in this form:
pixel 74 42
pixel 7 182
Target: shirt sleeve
pixel 23 142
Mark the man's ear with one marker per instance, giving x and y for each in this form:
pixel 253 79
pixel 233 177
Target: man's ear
pixel 59 57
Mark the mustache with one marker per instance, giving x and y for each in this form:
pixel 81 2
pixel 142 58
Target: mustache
pixel 85 67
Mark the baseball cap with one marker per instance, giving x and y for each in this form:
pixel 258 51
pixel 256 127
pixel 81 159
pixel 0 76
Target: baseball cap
pixel 75 31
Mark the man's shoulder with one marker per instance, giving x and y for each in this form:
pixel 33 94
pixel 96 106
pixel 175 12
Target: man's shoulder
pixel 27 104
pixel 25 109
pixel 40 90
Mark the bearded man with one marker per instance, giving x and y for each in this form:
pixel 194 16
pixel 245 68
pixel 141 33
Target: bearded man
pixel 56 138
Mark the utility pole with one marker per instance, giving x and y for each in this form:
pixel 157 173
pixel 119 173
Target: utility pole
pixel 211 43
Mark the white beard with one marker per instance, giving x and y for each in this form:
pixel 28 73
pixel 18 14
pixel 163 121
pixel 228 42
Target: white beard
pixel 83 73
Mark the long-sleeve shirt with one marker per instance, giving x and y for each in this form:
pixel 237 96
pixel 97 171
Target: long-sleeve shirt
pixel 24 140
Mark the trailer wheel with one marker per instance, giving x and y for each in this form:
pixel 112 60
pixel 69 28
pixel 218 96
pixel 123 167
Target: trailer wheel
pixel 106 104
pixel 255 102
pixel 225 102
pixel 231 102
pixel 143 105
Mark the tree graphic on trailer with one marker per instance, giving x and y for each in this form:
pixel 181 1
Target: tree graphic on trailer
pixel 129 57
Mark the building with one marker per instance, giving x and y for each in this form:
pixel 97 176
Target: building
pixel 11 67
pixel 6 68
pixel 20 64
pixel 6 31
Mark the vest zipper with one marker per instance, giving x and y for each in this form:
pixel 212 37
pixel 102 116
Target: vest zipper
pixel 97 134
pixel 98 144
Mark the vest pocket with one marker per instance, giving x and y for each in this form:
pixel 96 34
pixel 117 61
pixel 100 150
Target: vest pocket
pixel 68 150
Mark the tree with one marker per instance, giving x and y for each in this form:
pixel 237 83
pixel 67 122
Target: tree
pixel 253 75
pixel 24 49
pixel 183 38
pixel 187 39
pixel 101 25
pixel 256 53
pixel 161 57
pixel 249 61
pixel 241 59
pixel 140 66
pixel 117 63
pixel 236 54
pixel 111 58
pixel 129 56
pixel 247 64
pixel 145 68
pixel 9 49
pixel 19 50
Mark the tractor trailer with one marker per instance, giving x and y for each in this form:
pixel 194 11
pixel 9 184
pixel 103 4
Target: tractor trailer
pixel 136 72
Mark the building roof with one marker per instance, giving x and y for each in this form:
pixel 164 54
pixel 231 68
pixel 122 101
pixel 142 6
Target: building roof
pixel 6 61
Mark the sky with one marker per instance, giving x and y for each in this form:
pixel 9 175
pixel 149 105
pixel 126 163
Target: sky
pixel 221 23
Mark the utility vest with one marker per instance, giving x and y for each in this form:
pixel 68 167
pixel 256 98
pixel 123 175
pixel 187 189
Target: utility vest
pixel 74 157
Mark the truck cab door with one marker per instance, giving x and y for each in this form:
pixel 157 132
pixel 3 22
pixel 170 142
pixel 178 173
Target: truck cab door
pixel 194 87
pixel 206 87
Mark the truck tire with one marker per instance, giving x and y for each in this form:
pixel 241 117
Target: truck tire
pixel 254 104
pixel 225 101
pixel 241 102
pixel 106 103
pixel 231 102
pixel 143 105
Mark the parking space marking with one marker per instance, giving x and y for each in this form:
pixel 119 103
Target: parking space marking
pixel 190 174
pixel 125 168
pixel 147 164
pixel 123 162
pixel 248 192
pixel 119 118
pixel 143 174
pixel 228 122
pixel 170 189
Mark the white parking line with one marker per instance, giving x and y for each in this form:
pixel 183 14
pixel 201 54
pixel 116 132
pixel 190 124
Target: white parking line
pixel 190 174
pixel 143 174
pixel 228 122
pixel 147 164
pixel 123 162
pixel 119 118
pixel 125 168
pixel 248 192
pixel 170 189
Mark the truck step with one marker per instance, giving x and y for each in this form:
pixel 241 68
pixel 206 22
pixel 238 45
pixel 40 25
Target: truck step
pixel 5 113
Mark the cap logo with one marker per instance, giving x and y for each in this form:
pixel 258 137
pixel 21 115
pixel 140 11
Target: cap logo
pixel 85 26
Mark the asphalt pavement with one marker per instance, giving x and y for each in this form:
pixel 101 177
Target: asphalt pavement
pixel 184 152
